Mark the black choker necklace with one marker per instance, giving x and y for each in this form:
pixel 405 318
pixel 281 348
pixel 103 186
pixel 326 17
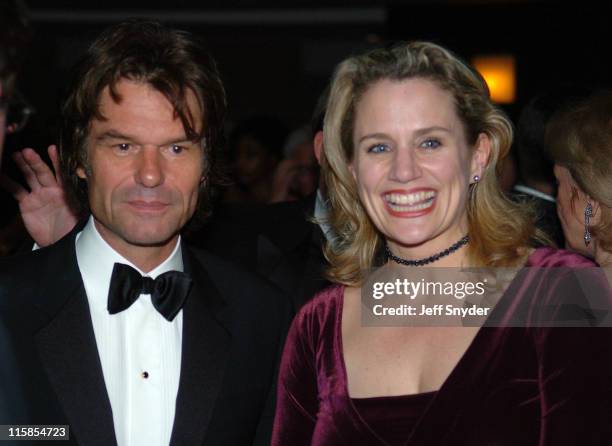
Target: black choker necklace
pixel 454 247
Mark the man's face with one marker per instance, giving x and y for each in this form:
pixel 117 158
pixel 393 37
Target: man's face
pixel 143 173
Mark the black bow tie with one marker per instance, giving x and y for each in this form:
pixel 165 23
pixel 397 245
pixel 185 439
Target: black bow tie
pixel 168 291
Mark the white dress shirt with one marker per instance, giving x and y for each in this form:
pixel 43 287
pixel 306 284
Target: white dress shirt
pixel 140 351
pixel 534 192
pixel 321 213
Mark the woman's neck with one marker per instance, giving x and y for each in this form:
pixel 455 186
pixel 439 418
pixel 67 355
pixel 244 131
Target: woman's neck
pixel 454 259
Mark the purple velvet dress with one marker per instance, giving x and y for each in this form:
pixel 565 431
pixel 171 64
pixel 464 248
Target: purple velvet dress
pixel 513 386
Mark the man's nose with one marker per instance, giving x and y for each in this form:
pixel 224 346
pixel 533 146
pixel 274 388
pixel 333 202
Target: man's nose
pixel 150 167
pixel 405 166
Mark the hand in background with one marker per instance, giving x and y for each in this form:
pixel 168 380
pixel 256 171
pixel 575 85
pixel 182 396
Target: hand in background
pixel 44 208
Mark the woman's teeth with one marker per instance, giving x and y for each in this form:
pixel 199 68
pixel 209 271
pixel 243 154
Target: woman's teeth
pixel 410 202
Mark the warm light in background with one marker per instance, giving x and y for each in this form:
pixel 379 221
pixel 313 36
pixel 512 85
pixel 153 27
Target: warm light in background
pixel 500 73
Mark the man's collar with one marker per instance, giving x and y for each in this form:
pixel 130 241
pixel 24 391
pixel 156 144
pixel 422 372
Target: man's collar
pixel 321 213
pixel 533 192
pixel 96 259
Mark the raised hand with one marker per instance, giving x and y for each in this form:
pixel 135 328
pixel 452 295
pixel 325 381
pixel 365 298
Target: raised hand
pixel 44 208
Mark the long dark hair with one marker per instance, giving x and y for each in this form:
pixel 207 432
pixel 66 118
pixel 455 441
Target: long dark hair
pixel 170 61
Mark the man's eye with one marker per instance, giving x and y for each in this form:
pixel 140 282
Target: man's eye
pixel 430 143
pixel 176 149
pixel 122 147
pixel 378 148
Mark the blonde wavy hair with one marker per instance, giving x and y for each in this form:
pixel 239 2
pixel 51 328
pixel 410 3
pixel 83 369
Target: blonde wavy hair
pixel 500 230
pixel 580 139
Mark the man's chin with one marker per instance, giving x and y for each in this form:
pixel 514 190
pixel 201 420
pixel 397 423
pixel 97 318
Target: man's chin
pixel 139 233
pixel 152 236
pixel 151 240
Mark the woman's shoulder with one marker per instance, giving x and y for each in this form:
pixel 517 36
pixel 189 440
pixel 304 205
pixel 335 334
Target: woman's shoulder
pixel 564 287
pixel 326 302
pixel 321 311
pixel 547 256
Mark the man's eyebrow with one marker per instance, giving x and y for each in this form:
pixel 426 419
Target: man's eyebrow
pixel 115 134
pixel 112 134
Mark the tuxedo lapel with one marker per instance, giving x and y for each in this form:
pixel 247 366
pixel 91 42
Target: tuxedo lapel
pixel 312 277
pixel 278 266
pixel 68 350
pixel 206 345
pixel 290 252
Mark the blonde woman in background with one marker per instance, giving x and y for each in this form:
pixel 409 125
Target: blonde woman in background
pixel 579 140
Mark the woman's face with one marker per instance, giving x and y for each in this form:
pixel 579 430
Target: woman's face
pixel 571 202
pixel 413 165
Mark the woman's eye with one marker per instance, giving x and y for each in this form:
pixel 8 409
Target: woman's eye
pixel 431 144
pixel 378 148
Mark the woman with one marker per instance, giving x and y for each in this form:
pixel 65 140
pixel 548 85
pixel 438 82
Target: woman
pixel 579 140
pixel 411 145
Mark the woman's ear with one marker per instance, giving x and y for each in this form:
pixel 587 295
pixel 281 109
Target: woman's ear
pixel 480 155
pixel 583 199
pixel 351 168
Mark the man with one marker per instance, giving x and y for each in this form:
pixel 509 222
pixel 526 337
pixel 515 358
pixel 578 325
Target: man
pixel 279 241
pixel 125 333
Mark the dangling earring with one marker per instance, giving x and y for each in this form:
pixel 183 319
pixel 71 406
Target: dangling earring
pixel 588 213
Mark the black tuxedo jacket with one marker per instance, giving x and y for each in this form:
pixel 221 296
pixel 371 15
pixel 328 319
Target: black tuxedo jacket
pixel 278 241
pixel 233 330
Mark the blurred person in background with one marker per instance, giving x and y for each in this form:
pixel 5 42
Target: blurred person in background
pixel 579 140
pixel 256 146
pixel 535 168
pixel 297 175
pixel 281 241
pixel 14 35
pixel 15 112
pixel 411 146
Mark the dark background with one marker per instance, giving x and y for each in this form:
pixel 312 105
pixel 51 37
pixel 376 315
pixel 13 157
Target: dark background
pixel 276 59
pixel 277 56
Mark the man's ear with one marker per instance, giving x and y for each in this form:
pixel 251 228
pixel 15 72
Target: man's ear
pixel 317 143
pixel 480 155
